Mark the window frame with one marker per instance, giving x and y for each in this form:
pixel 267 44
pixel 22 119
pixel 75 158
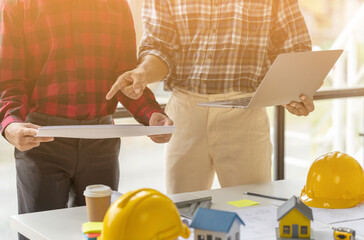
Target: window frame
pixel 286 229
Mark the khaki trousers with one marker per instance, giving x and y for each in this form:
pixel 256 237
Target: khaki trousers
pixel 234 143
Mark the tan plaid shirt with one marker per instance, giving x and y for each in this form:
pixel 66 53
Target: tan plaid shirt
pixel 217 46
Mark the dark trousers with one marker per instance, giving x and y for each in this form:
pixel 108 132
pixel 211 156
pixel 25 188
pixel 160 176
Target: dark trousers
pixel 55 174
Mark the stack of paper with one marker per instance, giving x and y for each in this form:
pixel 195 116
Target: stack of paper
pixel 103 131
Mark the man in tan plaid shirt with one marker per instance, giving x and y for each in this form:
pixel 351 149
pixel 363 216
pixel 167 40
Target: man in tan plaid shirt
pixel 214 50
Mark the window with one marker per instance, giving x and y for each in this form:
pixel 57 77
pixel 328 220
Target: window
pixel 200 237
pixel 304 230
pixel 286 229
pixel 209 237
pixel 218 238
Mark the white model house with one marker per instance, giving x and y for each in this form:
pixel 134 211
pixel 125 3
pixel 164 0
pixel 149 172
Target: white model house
pixel 210 224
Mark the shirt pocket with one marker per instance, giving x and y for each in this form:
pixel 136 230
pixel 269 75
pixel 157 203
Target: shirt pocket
pixel 251 23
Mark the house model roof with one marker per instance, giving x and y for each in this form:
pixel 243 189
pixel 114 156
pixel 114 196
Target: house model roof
pixel 292 203
pixel 214 220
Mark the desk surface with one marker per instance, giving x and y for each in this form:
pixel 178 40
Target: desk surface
pixel 66 223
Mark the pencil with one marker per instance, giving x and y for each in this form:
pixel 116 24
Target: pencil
pixel 265 196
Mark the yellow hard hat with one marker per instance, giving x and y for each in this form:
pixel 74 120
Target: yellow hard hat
pixel 144 214
pixel 335 180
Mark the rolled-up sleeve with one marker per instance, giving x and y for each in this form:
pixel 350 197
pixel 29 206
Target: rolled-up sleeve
pixel 160 37
pixel 289 31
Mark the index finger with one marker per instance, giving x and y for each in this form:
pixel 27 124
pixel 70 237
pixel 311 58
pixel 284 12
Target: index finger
pixel 32 125
pixel 113 90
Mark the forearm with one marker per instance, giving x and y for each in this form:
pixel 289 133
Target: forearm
pixel 142 108
pixel 154 67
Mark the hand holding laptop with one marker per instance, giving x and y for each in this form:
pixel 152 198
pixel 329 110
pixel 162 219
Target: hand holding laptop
pixel 291 81
pixel 302 108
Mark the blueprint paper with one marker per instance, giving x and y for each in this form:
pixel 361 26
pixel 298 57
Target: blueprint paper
pixel 330 216
pixel 261 222
pixel 103 131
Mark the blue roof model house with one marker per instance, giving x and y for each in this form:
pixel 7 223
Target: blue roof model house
pixel 210 224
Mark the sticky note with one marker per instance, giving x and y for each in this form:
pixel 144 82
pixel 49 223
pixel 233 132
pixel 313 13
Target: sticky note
pixel 92 227
pixel 243 203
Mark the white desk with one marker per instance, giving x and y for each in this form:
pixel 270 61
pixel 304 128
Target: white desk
pixel 66 223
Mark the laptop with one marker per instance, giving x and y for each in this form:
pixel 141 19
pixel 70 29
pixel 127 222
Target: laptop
pixel 291 75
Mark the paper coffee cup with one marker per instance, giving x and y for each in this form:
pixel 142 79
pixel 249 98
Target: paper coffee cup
pixel 98 198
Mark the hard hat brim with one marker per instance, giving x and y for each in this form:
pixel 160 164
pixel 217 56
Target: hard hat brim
pixel 328 203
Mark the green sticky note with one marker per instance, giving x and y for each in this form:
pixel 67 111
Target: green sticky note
pixel 243 203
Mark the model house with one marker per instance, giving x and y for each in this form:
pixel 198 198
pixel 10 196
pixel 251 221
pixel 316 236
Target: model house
pixel 212 224
pixel 294 219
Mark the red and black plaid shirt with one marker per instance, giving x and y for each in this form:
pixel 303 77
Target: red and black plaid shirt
pixel 60 57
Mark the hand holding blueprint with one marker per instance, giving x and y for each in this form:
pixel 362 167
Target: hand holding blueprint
pixel 103 131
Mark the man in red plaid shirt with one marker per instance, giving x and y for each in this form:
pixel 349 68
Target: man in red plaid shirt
pixel 58 59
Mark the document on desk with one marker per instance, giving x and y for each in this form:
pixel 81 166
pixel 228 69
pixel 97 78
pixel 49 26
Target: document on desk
pixel 331 216
pixel 260 222
pixel 103 131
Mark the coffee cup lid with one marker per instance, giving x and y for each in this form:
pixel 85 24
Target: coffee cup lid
pixel 97 190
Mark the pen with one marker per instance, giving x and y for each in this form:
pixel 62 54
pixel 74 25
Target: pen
pixel 265 196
